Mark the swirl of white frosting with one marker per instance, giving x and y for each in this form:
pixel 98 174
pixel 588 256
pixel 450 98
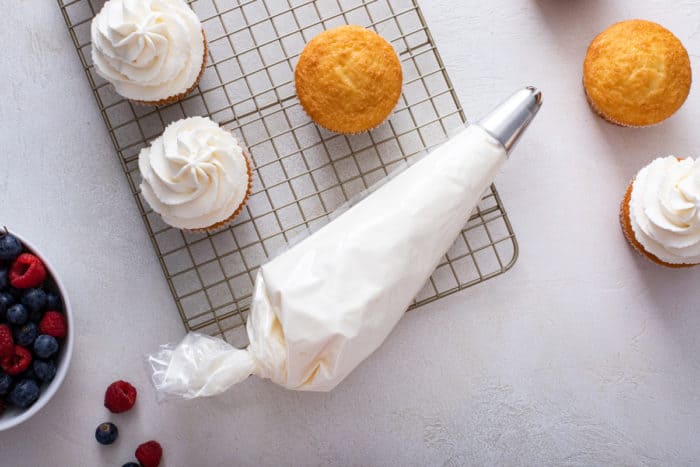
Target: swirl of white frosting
pixel 195 174
pixel 148 49
pixel 665 209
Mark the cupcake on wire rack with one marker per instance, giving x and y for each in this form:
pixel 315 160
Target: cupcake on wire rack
pixel 152 51
pixel 195 175
pixel 660 213
pixel 348 79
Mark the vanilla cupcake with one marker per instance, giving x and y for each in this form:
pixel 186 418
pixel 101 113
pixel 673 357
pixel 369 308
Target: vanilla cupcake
pixel 636 73
pixel 195 175
pixel 348 79
pixel 152 51
pixel 660 214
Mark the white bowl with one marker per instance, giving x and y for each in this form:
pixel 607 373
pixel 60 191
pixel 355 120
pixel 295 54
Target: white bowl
pixel 13 416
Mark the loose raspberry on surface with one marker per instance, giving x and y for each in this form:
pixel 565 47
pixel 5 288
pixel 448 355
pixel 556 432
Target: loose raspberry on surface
pixel 120 397
pixel 149 454
pixel 7 343
pixel 27 271
pixel 17 362
pixel 53 324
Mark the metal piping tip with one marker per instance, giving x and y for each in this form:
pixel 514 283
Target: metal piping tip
pixel 508 121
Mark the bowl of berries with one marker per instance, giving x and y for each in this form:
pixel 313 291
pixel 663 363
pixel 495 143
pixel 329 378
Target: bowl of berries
pixel 36 337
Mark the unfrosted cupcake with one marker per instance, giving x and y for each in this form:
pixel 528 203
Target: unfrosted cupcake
pixel 152 51
pixel 195 175
pixel 660 214
pixel 348 79
pixel 636 73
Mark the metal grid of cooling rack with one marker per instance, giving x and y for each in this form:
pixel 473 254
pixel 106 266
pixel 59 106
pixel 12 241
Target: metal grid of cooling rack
pixel 302 172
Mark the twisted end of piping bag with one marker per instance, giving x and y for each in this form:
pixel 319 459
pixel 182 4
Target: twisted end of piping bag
pixel 509 120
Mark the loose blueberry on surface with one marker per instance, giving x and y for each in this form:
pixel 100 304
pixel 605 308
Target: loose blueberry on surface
pixel 34 300
pixel 44 370
pixel 26 334
pixel 4 278
pixel 6 301
pixel 5 382
pixel 17 314
pixel 45 346
pixel 131 464
pixel 25 393
pixel 53 302
pixel 106 433
pixel 10 246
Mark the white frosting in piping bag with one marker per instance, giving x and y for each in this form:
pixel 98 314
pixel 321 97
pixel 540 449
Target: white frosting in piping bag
pixel 322 307
pixel 195 174
pixel 665 209
pixel 148 49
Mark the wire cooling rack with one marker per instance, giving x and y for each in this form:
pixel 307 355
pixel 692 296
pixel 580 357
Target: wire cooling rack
pixel 302 172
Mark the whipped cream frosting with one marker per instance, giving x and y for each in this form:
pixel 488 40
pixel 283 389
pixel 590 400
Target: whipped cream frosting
pixel 665 209
pixel 195 174
pixel 148 49
pixel 323 306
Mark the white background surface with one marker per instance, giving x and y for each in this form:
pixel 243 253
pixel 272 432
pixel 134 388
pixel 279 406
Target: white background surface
pixel 584 353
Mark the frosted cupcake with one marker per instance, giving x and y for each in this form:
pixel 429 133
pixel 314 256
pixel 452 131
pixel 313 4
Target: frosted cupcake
pixel 660 214
pixel 152 51
pixel 195 175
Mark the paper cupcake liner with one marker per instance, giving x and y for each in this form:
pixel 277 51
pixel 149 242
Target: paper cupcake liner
pixel 219 225
pixel 627 230
pixel 609 119
pixel 182 95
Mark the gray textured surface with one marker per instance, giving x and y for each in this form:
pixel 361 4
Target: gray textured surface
pixel 582 354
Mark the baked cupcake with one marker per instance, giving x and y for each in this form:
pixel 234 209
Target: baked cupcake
pixel 195 175
pixel 348 79
pixel 152 51
pixel 636 73
pixel 660 214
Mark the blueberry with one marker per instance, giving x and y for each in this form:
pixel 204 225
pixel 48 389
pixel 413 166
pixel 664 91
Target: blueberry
pixel 26 334
pixel 45 346
pixel 131 464
pixel 44 370
pixel 6 301
pixel 17 314
pixel 106 433
pixel 10 247
pixel 53 302
pixel 5 382
pixel 34 300
pixel 25 393
pixel 4 278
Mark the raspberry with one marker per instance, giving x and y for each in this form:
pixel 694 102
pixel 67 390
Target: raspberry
pixel 27 271
pixel 120 397
pixel 17 362
pixel 149 454
pixel 54 324
pixel 7 344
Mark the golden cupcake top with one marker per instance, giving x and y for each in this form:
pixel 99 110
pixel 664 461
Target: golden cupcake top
pixel 348 79
pixel 636 73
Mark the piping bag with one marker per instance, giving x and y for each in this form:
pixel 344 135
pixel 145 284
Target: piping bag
pixel 323 306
